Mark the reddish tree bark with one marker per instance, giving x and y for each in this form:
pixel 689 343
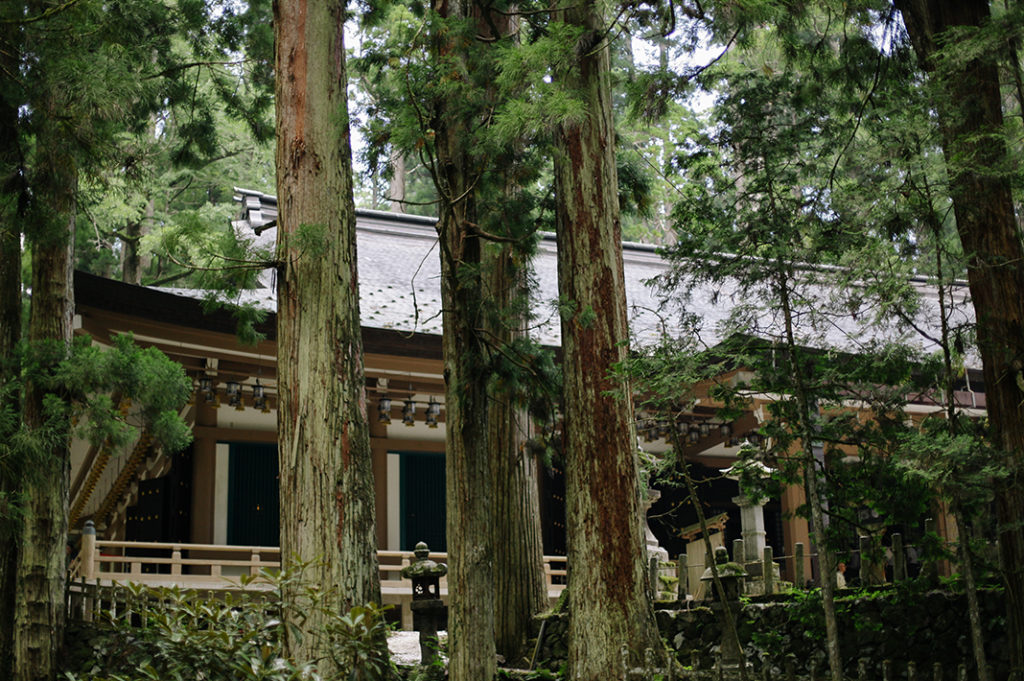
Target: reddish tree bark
pixel 609 596
pixel 971 122
pixel 326 477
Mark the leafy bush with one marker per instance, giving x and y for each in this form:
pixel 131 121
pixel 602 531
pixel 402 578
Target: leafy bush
pixel 164 634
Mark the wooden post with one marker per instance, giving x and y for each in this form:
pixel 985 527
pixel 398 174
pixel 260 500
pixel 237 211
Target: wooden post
pixel 899 558
pixel 176 560
pixel 867 567
pixel 87 553
pixel 254 559
pixel 90 601
pixel 937 671
pixel 683 575
pixel 798 560
pixel 886 670
pixel 767 570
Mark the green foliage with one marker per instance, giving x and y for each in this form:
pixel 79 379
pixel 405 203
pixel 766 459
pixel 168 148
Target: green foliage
pixel 180 634
pixel 79 386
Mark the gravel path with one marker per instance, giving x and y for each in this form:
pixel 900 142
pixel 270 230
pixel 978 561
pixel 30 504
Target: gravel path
pixel 405 646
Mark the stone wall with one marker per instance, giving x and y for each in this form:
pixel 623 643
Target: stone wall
pixel 897 624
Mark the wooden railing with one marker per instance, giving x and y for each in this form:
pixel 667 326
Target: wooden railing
pixel 103 562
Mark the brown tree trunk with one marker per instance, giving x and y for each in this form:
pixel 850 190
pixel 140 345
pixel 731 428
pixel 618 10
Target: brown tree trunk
pixel 10 324
pixel 11 194
pixel 133 262
pixel 467 462
pixel 326 478
pixel 805 431
pixel 971 591
pixel 130 273
pixel 41 561
pixel 610 601
pixel 971 120
pixel 396 185
pixel 520 591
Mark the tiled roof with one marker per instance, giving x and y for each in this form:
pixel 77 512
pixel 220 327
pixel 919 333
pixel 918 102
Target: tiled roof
pixel 399 284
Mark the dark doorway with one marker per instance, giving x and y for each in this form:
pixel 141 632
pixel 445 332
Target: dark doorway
pixel 253 507
pixel 423 510
pixel 161 512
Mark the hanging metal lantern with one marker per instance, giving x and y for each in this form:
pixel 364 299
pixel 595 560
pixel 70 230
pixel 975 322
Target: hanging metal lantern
pixel 409 413
pixel 433 411
pixel 384 409
pixel 234 391
pixel 206 387
pixel 259 397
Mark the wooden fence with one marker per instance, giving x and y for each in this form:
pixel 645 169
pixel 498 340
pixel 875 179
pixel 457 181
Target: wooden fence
pixel 895 566
pixel 102 563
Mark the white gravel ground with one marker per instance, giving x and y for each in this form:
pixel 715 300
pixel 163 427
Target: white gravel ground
pixel 405 646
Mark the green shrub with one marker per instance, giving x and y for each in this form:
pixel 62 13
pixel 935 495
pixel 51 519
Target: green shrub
pixel 171 634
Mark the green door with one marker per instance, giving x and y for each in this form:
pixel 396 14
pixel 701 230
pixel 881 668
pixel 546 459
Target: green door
pixel 422 503
pixel 253 518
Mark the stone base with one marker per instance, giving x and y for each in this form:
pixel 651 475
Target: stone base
pixel 756 587
pixel 754 570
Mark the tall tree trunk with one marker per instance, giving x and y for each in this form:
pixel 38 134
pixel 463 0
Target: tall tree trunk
pixel 971 591
pixel 130 273
pixel 396 185
pixel 949 387
pixel 133 262
pixel 805 430
pixel 610 601
pixel 41 561
pixel 326 477
pixel 11 195
pixel 520 591
pixel 971 121
pixel 467 462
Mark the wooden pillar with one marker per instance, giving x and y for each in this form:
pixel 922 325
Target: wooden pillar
pixel 945 526
pixel 87 553
pixel 379 451
pixel 204 478
pixel 795 530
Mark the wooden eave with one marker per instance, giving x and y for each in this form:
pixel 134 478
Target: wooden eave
pixel 180 327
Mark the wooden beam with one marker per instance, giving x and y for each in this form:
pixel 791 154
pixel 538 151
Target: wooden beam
pixel 221 434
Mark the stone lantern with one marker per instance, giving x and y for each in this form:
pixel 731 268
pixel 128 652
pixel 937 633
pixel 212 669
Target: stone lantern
pixel 428 612
pixel 731 575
